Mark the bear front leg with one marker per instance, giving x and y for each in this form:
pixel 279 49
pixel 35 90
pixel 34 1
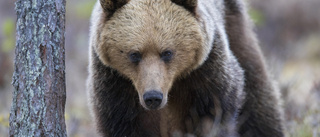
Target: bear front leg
pixel 218 86
pixel 207 101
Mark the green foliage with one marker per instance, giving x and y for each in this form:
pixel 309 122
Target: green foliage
pixel 8 27
pixel 257 16
pixel 84 9
pixel 303 130
pixel 307 126
pixel 4 120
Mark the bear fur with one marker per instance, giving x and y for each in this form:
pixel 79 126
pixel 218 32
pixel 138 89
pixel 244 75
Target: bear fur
pixel 202 55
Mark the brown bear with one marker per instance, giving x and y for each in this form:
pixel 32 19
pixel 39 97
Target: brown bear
pixel 179 68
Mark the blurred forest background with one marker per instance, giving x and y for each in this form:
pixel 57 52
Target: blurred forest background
pixel 289 34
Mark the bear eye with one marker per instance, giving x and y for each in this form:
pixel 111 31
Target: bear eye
pixel 166 55
pixel 135 57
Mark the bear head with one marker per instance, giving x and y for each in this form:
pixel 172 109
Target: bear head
pixel 152 43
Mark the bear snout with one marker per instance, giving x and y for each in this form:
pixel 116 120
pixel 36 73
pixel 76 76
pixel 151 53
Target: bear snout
pixel 152 99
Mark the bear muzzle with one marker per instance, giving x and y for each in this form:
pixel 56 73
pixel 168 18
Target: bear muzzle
pixel 153 99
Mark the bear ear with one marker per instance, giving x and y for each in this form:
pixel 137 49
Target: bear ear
pixel 188 4
pixel 110 6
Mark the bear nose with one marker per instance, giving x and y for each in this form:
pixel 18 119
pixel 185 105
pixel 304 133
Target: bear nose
pixel 152 99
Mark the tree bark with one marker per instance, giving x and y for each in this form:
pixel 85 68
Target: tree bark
pixel 39 94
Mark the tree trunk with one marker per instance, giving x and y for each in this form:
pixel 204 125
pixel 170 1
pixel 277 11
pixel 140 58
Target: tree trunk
pixel 39 94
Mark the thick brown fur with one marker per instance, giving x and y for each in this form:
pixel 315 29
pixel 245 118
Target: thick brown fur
pixel 261 114
pixel 217 70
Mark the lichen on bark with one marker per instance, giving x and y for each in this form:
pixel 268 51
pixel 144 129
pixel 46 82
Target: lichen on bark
pixel 39 94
